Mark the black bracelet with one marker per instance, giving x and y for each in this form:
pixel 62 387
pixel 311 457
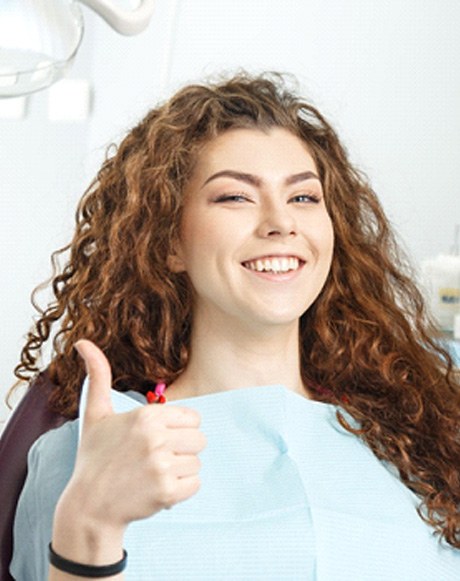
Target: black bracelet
pixel 86 570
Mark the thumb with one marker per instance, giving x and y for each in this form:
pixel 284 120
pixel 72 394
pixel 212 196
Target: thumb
pixel 99 403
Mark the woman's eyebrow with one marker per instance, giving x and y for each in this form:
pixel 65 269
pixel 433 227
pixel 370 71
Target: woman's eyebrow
pixel 257 181
pixel 301 177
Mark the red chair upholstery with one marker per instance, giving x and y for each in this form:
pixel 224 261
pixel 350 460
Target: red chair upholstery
pixel 30 419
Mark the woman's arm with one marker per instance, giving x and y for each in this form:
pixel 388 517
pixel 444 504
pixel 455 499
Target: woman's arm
pixel 77 539
pixel 129 467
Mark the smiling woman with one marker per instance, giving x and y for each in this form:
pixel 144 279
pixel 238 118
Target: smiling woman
pixel 229 260
pixel 247 229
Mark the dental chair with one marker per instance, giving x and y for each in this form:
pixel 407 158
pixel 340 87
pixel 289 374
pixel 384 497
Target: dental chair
pixel 29 421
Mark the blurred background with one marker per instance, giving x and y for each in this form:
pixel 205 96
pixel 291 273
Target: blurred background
pixel 385 73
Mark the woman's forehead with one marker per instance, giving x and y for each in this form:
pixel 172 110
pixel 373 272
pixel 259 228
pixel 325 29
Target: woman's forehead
pixel 252 151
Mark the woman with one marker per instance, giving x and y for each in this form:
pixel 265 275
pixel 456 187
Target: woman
pixel 229 251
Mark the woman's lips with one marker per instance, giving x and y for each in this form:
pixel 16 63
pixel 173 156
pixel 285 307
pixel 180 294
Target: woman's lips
pixel 274 264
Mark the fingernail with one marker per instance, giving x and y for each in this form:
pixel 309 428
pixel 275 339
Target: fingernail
pixel 77 348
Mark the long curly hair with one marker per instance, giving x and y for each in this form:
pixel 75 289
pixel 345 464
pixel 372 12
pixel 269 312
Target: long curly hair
pixel 367 343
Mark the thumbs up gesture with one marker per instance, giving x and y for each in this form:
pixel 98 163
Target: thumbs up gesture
pixel 130 466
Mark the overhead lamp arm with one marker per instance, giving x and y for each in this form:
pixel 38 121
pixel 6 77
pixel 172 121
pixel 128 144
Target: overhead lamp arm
pixel 127 22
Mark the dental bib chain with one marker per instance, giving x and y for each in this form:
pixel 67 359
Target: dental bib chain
pixel 157 396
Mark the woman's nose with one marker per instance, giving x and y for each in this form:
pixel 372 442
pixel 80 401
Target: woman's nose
pixel 277 221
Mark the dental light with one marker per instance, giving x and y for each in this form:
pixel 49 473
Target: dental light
pixel 40 38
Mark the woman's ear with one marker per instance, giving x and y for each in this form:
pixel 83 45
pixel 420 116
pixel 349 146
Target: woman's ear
pixel 175 264
pixel 175 260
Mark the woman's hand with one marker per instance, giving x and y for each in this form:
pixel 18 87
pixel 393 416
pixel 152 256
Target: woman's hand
pixel 129 466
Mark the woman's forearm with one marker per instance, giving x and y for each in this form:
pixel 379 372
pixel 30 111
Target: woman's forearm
pixel 79 538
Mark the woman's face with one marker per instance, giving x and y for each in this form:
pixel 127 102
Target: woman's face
pixel 256 239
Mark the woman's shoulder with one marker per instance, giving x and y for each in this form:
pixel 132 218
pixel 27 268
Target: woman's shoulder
pixel 50 465
pixel 58 445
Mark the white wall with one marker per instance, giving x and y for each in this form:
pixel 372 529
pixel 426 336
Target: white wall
pixel 387 74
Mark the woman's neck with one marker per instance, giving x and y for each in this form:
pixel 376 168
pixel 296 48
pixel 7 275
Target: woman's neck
pixel 232 356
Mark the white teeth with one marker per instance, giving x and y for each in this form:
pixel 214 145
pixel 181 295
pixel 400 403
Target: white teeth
pixel 283 264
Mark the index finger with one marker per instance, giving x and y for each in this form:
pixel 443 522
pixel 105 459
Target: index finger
pixel 180 417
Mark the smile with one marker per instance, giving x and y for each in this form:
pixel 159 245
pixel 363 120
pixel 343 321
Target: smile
pixel 274 264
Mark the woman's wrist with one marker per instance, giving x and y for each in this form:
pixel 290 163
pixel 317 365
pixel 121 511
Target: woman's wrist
pixel 83 570
pixel 80 537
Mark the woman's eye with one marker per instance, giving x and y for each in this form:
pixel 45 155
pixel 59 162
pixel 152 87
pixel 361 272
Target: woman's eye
pixel 237 197
pixel 305 199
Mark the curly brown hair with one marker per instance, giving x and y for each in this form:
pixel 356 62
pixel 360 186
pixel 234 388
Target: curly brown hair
pixel 387 370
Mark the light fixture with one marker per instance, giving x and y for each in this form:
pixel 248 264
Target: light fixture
pixel 40 38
